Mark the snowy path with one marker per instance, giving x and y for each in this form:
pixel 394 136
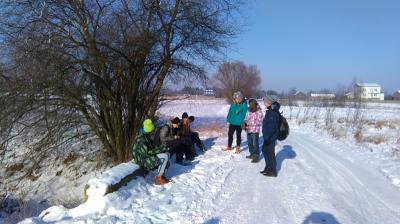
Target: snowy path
pixel 316 184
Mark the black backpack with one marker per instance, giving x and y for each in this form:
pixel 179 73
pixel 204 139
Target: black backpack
pixel 283 131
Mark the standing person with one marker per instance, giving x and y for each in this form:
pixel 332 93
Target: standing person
pixel 236 114
pixel 147 155
pixel 252 124
pixel 270 130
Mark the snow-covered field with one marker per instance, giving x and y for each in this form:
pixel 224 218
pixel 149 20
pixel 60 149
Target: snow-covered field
pixel 333 168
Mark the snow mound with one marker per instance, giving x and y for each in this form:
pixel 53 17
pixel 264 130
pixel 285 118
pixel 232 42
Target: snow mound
pixel 98 186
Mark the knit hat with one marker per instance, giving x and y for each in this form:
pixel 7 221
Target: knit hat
pixel 238 95
pixel 271 98
pixel 185 115
pixel 148 126
pixel 191 118
pixel 176 120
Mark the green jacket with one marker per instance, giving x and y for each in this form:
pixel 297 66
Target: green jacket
pixel 237 113
pixel 144 153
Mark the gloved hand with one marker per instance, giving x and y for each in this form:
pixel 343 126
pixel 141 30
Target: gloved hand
pixel 266 142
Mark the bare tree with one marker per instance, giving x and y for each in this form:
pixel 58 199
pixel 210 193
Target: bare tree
pixel 102 63
pixel 236 76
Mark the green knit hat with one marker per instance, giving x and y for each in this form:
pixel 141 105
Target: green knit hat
pixel 148 126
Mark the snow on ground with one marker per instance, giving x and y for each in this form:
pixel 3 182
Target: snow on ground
pixel 320 180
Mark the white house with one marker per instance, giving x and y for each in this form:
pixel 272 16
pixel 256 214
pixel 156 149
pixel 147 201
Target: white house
pixel 368 91
pixel 209 92
pixel 321 96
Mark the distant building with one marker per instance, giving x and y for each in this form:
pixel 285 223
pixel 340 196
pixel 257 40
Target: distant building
pixel 322 96
pixel 299 96
pixel 368 91
pixel 209 92
pixel 349 95
pixel 396 95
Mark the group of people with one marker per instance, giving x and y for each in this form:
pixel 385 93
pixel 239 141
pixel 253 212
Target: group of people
pixel 153 149
pixel 250 118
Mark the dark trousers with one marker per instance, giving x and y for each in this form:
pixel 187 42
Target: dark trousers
pixel 176 147
pixel 196 140
pixel 189 150
pixel 232 129
pixel 269 157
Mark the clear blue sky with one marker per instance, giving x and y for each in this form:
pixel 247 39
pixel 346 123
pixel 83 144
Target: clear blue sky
pixel 315 44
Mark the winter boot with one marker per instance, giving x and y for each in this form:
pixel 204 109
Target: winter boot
pixel 249 156
pixel 160 180
pixel 255 159
pixel 227 148
pixel 237 149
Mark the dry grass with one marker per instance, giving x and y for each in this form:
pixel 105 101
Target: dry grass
pixel 338 132
pixel 358 136
pixel 15 167
pixel 70 158
pixel 380 124
pixel 375 139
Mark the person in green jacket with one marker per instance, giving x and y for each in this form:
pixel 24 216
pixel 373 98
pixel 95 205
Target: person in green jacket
pixel 237 113
pixel 147 155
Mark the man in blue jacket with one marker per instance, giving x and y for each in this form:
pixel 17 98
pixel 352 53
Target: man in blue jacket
pixel 270 130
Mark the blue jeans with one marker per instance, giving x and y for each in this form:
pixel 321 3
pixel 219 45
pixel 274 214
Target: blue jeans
pixel 252 140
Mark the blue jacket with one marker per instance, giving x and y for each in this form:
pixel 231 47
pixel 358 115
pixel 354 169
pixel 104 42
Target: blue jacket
pixel 237 113
pixel 271 122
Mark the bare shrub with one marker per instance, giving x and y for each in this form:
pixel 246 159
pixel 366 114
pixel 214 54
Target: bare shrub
pixel 358 135
pixel 380 124
pixel 341 120
pixel 236 76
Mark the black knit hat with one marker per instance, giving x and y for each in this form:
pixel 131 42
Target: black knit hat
pixel 176 120
pixel 191 118
pixel 185 115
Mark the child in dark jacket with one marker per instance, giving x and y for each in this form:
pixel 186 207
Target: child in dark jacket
pixel 270 130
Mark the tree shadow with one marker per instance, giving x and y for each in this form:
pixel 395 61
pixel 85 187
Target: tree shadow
pixel 320 218
pixel 212 221
pixel 286 152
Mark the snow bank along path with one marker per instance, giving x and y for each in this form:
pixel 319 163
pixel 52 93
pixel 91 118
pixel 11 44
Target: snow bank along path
pixel 316 184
